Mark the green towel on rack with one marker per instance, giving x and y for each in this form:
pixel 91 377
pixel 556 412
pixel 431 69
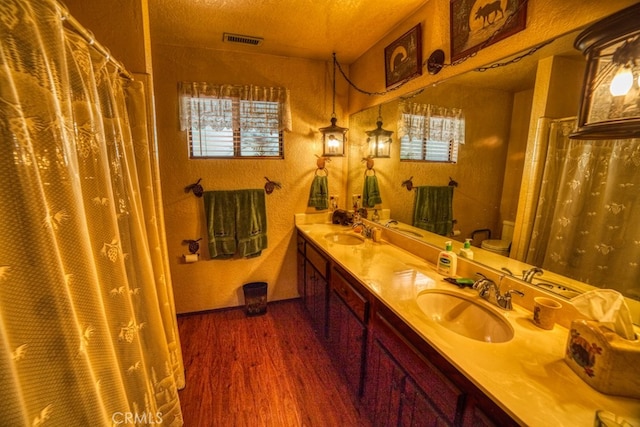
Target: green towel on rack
pixel 220 214
pixel 433 209
pixel 371 192
pixel 319 193
pixel 251 222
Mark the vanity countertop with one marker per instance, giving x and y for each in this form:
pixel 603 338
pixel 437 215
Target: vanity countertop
pixel 526 376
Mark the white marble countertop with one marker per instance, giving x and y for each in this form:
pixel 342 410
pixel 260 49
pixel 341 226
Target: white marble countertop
pixel 526 376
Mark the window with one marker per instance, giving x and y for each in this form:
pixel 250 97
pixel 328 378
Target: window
pixel 234 121
pixel 431 133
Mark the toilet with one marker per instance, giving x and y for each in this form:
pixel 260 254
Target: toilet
pixel 501 246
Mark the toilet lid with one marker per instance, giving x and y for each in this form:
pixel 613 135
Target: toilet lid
pixel 496 245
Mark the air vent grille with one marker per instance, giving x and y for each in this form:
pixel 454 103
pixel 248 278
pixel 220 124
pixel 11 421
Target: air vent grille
pixel 238 38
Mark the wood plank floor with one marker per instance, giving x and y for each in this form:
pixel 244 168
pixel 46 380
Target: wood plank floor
pixel 269 370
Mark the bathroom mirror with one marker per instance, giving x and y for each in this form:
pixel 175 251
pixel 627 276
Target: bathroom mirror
pixel 502 106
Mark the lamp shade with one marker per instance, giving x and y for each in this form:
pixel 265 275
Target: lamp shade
pixel 610 105
pixel 333 139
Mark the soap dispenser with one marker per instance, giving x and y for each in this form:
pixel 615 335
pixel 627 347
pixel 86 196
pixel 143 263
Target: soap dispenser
pixel 447 261
pixel 466 251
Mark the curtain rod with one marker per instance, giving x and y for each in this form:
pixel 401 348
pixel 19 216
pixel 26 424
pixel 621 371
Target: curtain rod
pixel 88 36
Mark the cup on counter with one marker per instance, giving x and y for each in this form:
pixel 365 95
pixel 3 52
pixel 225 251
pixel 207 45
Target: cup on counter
pixel 544 312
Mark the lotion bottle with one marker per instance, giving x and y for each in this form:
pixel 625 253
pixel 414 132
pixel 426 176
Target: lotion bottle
pixel 466 251
pixel 447 261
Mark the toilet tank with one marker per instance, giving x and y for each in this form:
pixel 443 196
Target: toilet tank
pixel 507 230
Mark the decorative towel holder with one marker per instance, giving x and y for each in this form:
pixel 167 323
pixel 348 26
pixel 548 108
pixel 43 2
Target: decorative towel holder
pixel 408 183
pixel 194 246
pixel 198 191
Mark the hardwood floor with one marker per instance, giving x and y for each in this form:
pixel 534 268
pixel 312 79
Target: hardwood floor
pixel 269 370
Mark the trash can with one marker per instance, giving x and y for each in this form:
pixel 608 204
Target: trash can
pixel 255 298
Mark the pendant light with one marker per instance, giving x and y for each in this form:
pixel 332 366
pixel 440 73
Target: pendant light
pixel 610 106
pixel 379 139
pixel 333 137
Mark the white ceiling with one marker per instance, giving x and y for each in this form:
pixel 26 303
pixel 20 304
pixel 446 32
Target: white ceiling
pixel 311 29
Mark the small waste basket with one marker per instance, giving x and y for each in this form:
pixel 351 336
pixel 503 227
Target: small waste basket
pixel 255 298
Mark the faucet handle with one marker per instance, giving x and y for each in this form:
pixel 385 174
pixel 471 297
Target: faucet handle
pixel 505 300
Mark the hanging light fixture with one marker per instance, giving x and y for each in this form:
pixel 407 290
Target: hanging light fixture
pixel 379 139
pixel 610 105
pixel 333 137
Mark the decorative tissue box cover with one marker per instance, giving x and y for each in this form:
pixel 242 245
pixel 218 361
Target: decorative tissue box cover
pixel 603 359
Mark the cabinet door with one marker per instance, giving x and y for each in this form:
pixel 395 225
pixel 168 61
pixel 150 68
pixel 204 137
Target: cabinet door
pixel 347 337
pixel 316 298
pixel 383 386
pixel 301 275
pixel 416 409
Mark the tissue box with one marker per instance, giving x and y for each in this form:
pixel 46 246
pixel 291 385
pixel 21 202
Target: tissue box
pixel 603 359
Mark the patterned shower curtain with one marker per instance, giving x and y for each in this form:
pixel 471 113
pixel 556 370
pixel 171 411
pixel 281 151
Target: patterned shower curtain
pixel 88 333
pixel 587 223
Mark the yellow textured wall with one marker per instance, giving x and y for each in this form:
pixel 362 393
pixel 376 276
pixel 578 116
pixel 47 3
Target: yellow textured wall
pixel 122 26
pixel 209 284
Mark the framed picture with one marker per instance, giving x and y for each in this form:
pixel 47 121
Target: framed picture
pixel 476 24
pixel 403 58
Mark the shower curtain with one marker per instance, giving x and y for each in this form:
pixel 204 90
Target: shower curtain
pixel 88 333
pixel 586 224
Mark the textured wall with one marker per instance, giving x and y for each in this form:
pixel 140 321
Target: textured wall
pixel 210 284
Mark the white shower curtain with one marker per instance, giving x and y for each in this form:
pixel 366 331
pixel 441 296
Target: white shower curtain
pixel 88 333
pixel 587 225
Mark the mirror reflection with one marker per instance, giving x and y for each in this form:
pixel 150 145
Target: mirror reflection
pixel 510 168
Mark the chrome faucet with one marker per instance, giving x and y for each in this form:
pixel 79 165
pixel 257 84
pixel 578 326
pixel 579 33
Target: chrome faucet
pixel 366 230
pixel 490 291
pixel 389 222
pixel 528 275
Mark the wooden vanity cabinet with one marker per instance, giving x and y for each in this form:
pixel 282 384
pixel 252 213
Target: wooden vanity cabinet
pixel 402 386
pixel 316 288
pixel 408 383
pixel 301 261
pixel 348 315
pixel 397 377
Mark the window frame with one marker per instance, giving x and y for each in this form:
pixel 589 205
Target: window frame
pixel 236 139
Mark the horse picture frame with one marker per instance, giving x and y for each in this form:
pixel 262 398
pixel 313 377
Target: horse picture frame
pixel 476 24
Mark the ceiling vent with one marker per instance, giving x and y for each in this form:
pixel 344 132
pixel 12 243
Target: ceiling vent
pixel 238 38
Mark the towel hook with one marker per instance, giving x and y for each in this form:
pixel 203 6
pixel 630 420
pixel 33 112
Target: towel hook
pixel 271 185
pixel 408 184
pixel 196 188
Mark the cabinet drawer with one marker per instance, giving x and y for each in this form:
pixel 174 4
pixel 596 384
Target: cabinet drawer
pixel 318 260
pixel 354 299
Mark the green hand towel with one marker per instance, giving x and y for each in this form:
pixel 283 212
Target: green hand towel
pixel 319 193
pixel 220 213
pixel 371 192
pixel 433 209
pixel 251 222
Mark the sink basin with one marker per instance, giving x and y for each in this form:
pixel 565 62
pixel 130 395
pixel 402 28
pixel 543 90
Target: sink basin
pixel 464 316
pixel 344 238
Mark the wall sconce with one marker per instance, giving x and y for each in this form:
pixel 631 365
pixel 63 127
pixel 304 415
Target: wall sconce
pixel 334 137
pixel 610 106
pixel 379 140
